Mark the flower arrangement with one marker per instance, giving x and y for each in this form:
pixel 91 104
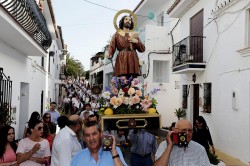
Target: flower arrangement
pixel 127 96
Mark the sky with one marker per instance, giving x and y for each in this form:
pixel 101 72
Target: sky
pixel 87 27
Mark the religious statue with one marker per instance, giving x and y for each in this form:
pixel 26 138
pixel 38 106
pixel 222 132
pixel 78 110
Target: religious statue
pixel 127 42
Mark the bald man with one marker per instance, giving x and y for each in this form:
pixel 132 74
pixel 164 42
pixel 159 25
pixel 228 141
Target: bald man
pixel 172 155
pixel 66 144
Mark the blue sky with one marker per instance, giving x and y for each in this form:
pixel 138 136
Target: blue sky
pixel 87 27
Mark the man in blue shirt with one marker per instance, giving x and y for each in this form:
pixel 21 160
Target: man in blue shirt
pixel 143 147
pixel 53 112
pixel 94 155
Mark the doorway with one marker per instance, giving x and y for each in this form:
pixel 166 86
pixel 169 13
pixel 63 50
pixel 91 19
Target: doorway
pixel 24 108
pixel 195 101
pixel 196 39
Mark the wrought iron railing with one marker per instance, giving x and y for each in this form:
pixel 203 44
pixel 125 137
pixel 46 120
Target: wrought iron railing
pixel 29 16
pixel 188 50
pixel 5 99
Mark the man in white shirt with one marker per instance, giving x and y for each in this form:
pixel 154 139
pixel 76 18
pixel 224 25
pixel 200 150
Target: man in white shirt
pixel 66 144
pixel 172 155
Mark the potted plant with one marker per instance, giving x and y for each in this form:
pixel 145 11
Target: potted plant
pixel 180 113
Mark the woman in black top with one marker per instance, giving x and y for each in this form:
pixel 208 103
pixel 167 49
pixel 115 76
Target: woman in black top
pixel 201 134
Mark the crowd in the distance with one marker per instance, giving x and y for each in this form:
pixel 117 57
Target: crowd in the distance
pixel 78 139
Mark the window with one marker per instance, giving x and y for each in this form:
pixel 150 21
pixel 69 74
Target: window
pixel 161 70
pixel 42 62
pixel 108 79
pixel 184 96
pixel 160 19
pixel 207 97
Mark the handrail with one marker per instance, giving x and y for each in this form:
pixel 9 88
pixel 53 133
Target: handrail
pixel 188 50
pixel 29 16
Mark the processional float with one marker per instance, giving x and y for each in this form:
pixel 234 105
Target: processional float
pixel 127 104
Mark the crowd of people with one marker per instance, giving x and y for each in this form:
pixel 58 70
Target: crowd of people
pixel 79 139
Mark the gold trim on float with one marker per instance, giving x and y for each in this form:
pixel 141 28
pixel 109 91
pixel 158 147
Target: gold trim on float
pixel 126 120
pixel 130 116
pixel 146 115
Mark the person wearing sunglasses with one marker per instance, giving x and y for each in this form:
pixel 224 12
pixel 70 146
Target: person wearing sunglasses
pixel 47 121
pixel 53 112
pixel 172 155
pixel 34 150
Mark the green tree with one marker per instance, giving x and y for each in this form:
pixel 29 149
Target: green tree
pixel 74 67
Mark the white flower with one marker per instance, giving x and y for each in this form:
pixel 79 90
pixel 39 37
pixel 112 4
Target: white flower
pixel 126 100
pixel 121 93
pixel 106 95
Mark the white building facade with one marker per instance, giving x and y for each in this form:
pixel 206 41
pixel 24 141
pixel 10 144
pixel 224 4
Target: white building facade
pixel 153 29
pixel 30 55
pixel 212 56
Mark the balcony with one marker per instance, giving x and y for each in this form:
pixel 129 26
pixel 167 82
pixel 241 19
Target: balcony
pixel 188 55
pixel 23 20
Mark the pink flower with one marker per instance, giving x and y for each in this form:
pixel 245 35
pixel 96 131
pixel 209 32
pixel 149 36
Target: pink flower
pixel 118 102
pixel 138 93
pixel 124 80
pixel 115 91
pixel 146 104
pixel 112 100
pixel 135 82
pixel 131 91
pixel 135 99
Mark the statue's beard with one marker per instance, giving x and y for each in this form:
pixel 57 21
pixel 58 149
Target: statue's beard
pixel 127 25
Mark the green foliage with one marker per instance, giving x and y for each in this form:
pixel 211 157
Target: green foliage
pixel 154 103
pixel 4 114
pixel 213 159
pixel 180 113
pixel 73 67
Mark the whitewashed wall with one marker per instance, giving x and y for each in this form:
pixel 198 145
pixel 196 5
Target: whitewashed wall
pixel 157 39
pixel 228 71
pixel 19 68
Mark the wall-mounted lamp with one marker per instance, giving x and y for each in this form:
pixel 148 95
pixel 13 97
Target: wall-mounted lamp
pixel 51 53
pixel 194 77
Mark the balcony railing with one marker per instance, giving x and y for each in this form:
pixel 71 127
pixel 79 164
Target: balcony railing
pixel 188 50
pixel 28 15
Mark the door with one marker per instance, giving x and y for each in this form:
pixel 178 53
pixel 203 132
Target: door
pixel 195 102
pixel 196 37
pixel 24 108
